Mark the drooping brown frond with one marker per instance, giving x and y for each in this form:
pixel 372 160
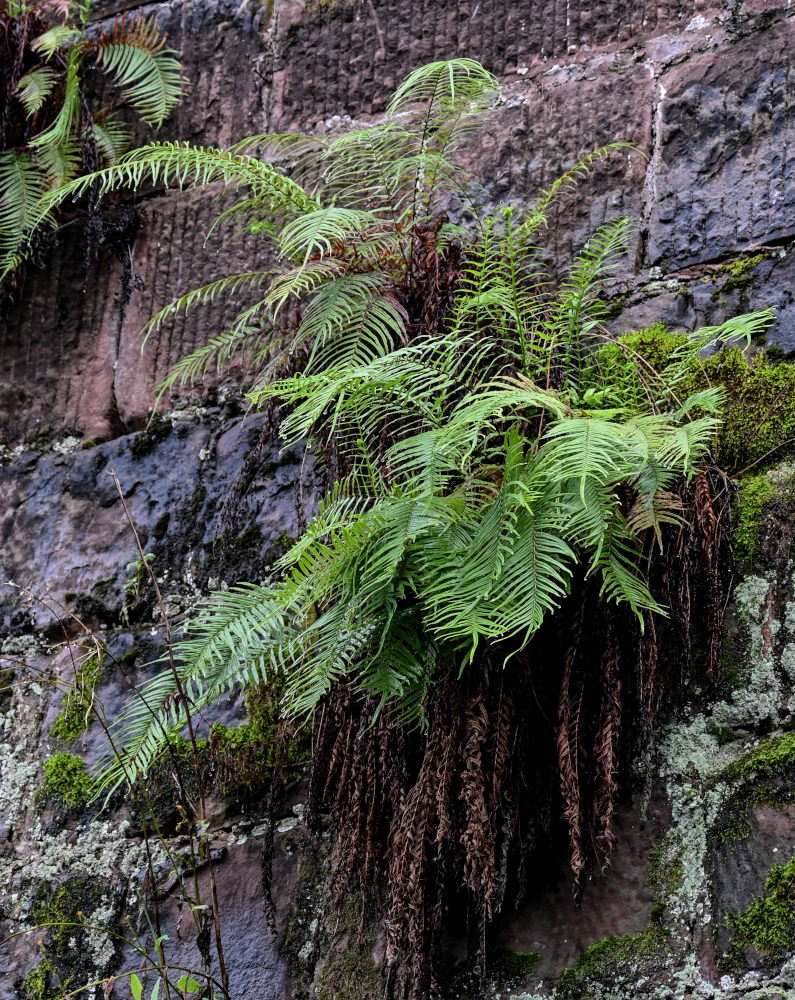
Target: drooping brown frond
pixel 462 819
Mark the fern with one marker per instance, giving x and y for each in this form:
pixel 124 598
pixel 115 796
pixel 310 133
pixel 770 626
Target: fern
pixel 489 448
pixel 148 73
pixel 35 87
pixel 21 184
pixel 50 99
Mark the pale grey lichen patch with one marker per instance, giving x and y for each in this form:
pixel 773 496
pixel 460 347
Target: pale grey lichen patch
pixel 758 698
pixel 691 759
pixel 100 943
pixel 19 758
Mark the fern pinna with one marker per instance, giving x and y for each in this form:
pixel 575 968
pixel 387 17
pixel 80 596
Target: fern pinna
pixel 48 134
pixel 519 509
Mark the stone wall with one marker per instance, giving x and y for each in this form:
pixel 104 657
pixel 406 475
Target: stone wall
pixel 704 92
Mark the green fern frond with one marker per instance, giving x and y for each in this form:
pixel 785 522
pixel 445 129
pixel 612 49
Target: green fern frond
pixel 149 74
pixel 111 136
pixel 228 285
pixel 65 125
pixel 60 36
pixel 62 162
pixel 21 187
pixel 35 87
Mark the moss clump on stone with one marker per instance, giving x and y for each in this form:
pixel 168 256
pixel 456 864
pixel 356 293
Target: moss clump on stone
pixel 66 779
pixel 655 344
pixel 511 966
pixel 737 276
pixel 768 925
pixel 759 415
pixel 755 492
pixel 353 975
pixel 773 757
pixel 38 983
pixel 609 958
pixel 75 715
pixel 155 431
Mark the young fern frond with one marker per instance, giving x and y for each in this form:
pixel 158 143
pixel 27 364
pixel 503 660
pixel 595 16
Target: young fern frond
pixel 60 36
pixel 149 74
pixel 111 137
pixel 217 353
pixel 227 286
pixel 35 87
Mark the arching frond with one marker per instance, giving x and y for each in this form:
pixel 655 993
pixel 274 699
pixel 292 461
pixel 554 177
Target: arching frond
pixel 21 187
pixel 60 36
pixel 205 293
pixel 63 128
pixel 62 162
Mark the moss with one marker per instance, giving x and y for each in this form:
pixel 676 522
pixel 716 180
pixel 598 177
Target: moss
pixel 156 431
pixel 161 527
pixel 654 344
pixel 608 958
pixel 75 715
pixel 67 780
pixel 38 983
pixel 514 965
pixel 759 415
pixel 353 975
pixel 244 757
pixel 774 757
pixel 737 276
pixel 175 772
pixel 66 916
pixel 768 925
pixel 755 492
pixel 732 829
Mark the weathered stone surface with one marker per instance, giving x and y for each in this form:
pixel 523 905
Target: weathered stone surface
pixel 705 92
pixel 62 527
pixel 725 175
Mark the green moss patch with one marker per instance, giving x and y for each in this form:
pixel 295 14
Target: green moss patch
pixel 40 983
pixel 737 276
pixel 353 975
pixel 609 959
pixel 774 757
pixel 768 925
pixel 75 715
pixel 66 779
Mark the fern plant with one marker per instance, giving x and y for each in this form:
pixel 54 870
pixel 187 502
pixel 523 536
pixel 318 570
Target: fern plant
pixel 496 464
pixel 485 450
pixel 48 135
